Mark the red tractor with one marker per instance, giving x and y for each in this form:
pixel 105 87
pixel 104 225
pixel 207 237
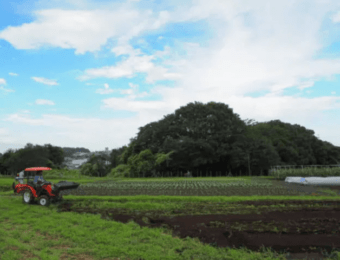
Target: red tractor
pixel 44 191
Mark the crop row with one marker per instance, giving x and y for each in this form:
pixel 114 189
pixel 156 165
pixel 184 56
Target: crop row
pixel 176 185
pixel 190 188
pixel 184 192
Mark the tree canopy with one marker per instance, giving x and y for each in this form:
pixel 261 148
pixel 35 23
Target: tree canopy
pixel 196 137
pixel 30 156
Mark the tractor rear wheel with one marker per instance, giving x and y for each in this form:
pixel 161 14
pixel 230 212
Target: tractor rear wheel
pixel 27 196
pixel 44 200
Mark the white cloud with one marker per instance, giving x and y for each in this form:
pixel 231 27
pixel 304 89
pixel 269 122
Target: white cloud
pixel 130 66
pixel 82 30
pixel 333 92
pixel 125 48
pixel 106 90
pixel 127 91
pixel 306 84
pixel 2 81
pixel 45 81
pixel 44 102
pixel 4 131
pixel 131 93
pixel 134 86
pixel 153 110
pixel 272 53
pixel 6 140
pixel 6 90
pixel 76 131
pixel 25 111
pixel 13 74
pixel 336 17
pixel 256 46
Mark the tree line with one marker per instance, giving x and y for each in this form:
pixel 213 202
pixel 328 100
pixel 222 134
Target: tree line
pixel 12 162
pixel 197 138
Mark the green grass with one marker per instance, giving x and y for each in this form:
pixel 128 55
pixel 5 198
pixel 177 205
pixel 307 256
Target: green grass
pixel 41 232
pixel 167 205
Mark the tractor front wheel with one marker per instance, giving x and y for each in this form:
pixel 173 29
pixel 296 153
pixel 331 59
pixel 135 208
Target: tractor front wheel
pixel 27 197
pixel 44 200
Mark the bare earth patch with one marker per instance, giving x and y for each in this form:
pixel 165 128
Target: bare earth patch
pixel 309 230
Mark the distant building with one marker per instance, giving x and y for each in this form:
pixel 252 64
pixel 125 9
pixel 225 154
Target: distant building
pixel 107 153
pixel 77 159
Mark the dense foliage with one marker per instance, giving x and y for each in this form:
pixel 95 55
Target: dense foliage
pixel 30 156
pixel 197 137
pixel 211 137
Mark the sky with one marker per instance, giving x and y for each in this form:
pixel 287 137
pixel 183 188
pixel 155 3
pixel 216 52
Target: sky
pixel 88 74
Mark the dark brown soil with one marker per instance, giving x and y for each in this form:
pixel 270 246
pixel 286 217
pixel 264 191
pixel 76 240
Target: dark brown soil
pixel 310 231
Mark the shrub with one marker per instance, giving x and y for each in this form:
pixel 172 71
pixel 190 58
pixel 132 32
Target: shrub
pixel 120 171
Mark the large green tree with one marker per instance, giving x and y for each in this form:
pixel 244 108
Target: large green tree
pixel 114 157
pixel 198 133
pixel 146 163
pixel 295 144
pixel 99 167
pixel 8 162
pixel 30 156
pixel 55 155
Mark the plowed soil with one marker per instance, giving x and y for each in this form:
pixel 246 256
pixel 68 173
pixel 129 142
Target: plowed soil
pixel 302 229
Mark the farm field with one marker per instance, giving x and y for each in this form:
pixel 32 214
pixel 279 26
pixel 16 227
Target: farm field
pixel 199 187
pixel 215 218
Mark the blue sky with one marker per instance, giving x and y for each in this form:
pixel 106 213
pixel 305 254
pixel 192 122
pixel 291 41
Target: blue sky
pixel 90 73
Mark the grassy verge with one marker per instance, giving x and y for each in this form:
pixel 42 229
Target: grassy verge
pixel 42 233
pixel 34 232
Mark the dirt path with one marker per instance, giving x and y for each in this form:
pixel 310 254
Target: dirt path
pixel 308 231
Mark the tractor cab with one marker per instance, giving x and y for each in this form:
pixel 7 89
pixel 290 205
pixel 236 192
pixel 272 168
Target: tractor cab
pixel 38 178
pixel 32 175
